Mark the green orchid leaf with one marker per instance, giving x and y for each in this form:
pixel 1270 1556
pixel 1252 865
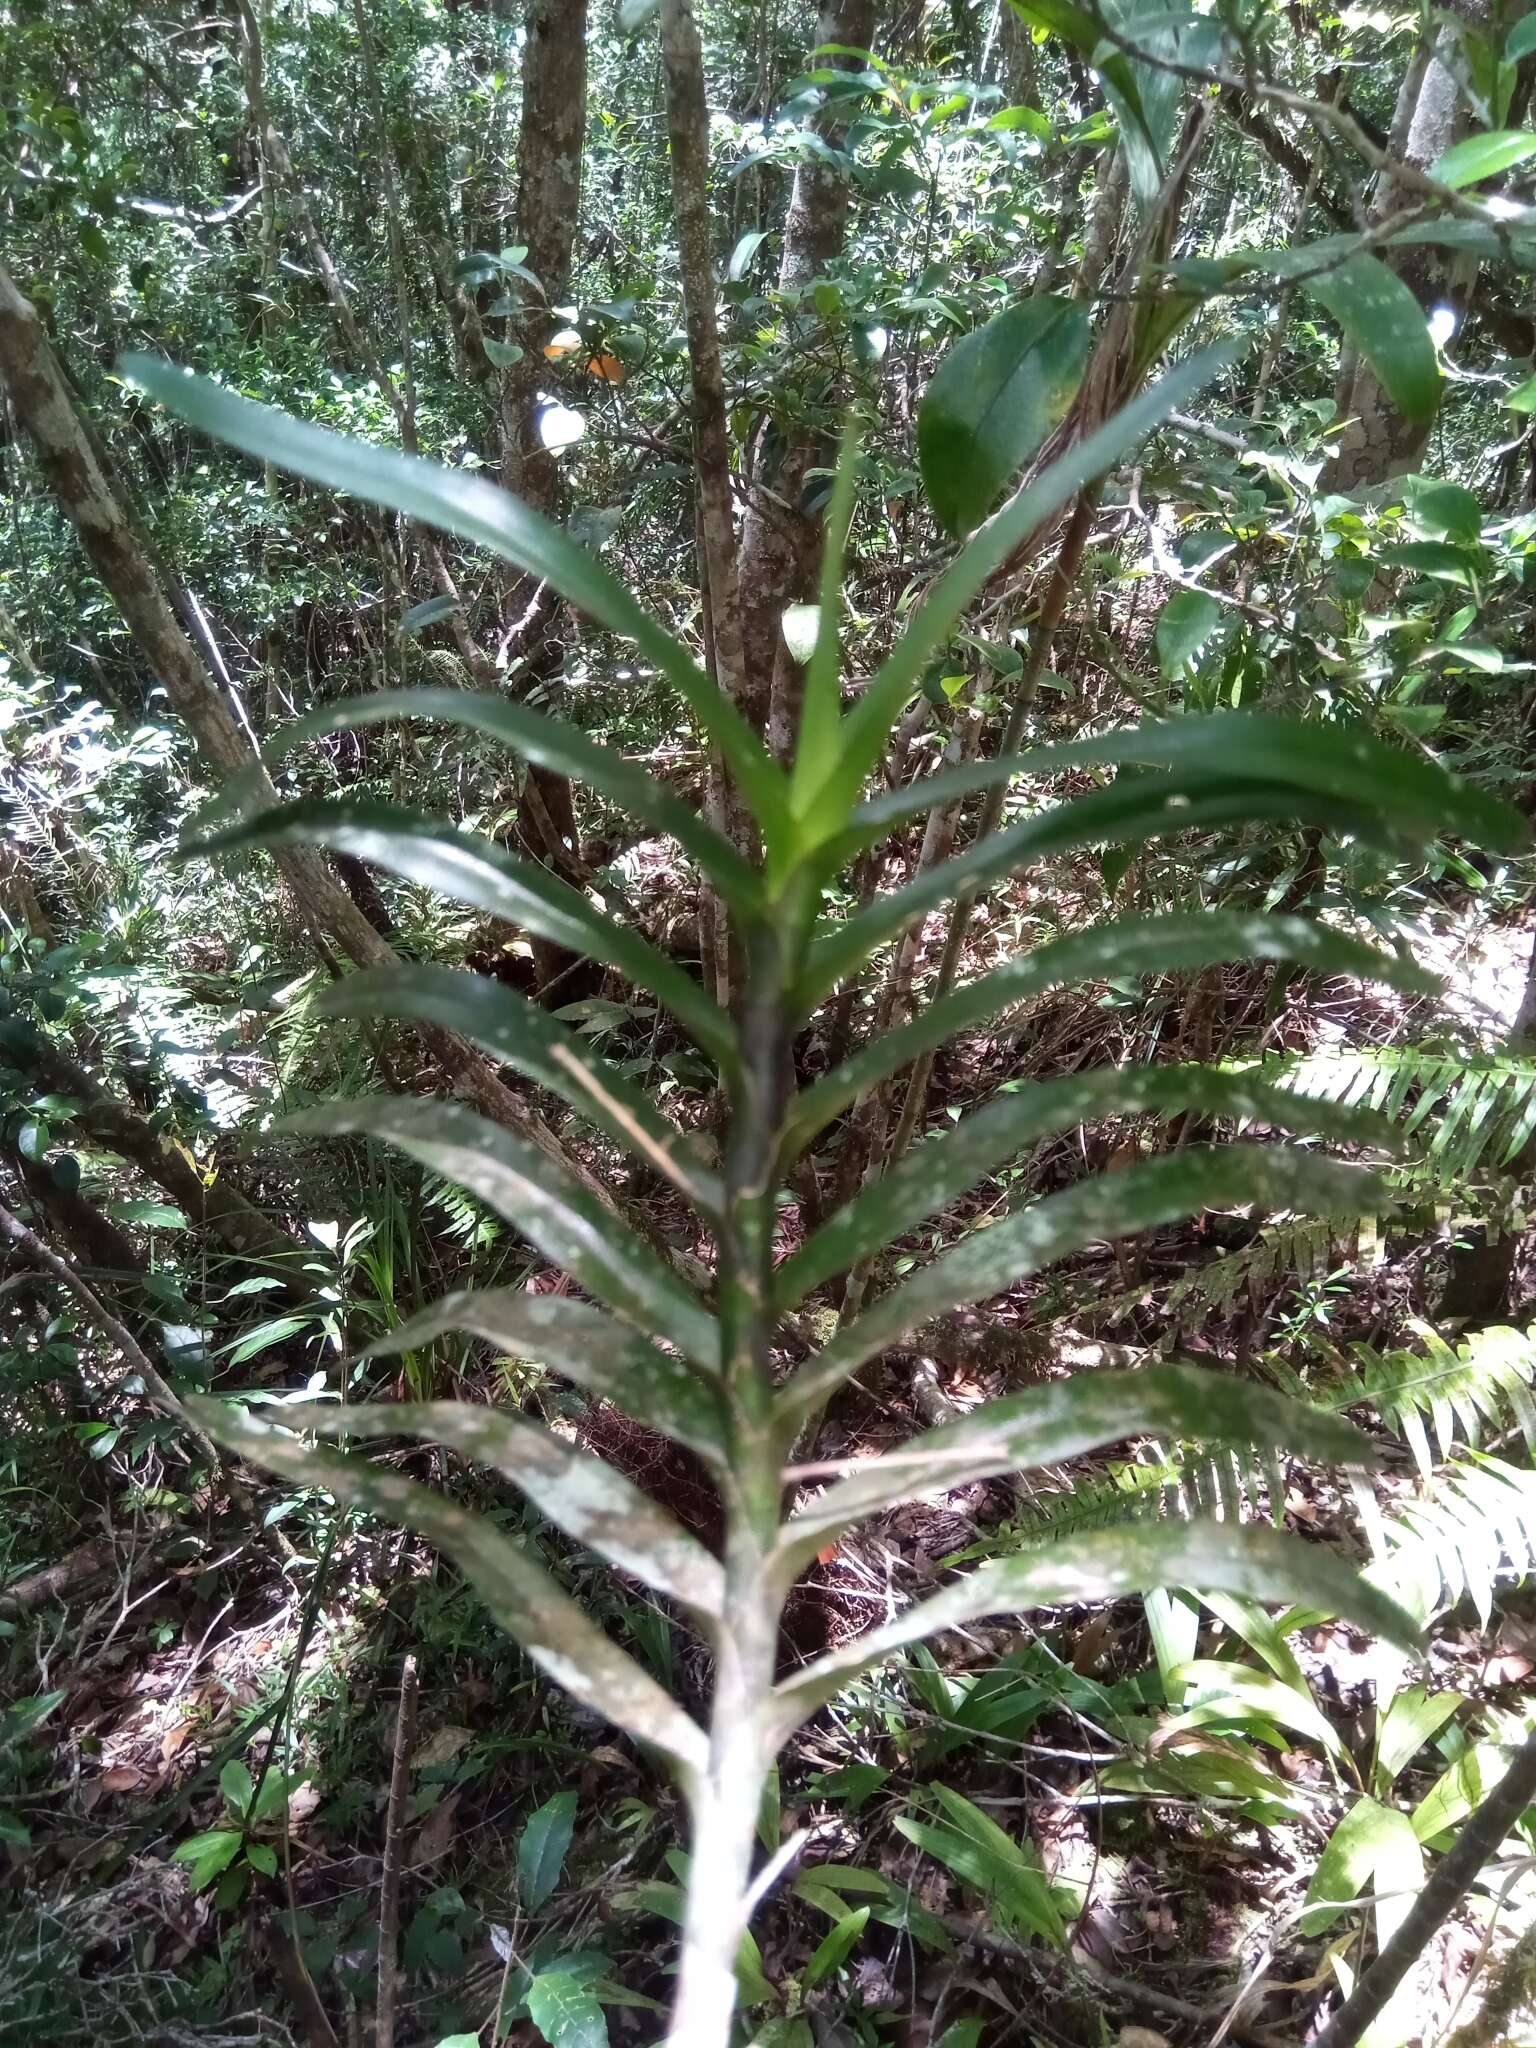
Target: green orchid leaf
pixel 899 676
pixel 537 1197
pixel 556 1632
pixel 1107 1564
pixel 476 511
pixel 551 743
pixel 587 1346
pixel 475 871
pixel 1127 813
pixel 1109 952
pixel 580 1494
pixel 1110 1205
pixel 1412 791
pixel 1065 1419
pixel 527 1037
pixel 946 1165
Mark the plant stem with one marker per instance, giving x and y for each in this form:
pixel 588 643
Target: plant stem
pixel 1480 1837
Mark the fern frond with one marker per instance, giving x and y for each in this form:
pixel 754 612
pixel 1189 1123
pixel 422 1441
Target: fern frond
pixel 1473 1527
pixel 1438 1398
pixel 1467 1117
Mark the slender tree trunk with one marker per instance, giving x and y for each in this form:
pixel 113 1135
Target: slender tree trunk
pixel 780 540
pixel 1377 442
pixel 688 136
pixel 89 498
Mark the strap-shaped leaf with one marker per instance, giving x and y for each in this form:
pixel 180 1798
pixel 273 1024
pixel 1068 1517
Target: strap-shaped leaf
pixel 475 511
pixel 549 743
pixel 1105 1564
pixel 935 1172
pixel 1140 945
pixel 580 1494
pixel 585 1345
pixel 1412 791
pixel 1106 1206
pixel 521 1595
pixel 1384 320
pixel 866 726
pixel 1127 813
pixel 1063 1420
pixel 527 1037
pixel 539 1198
pixel 475 871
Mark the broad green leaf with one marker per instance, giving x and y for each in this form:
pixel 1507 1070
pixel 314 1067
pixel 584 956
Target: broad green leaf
pixel 565 2010
pixel 527 1037
pixel 1478 157
pixel 538 1197
pixel 1460 1789
pixel 1447 511
pixel 541 1849
pixel 963 2034
pixel 933 1173
pixel 1169 36
pixel 551 743
pixel 587 1346
pixel 209 1855
pixel 1411 1718
pixel 1184 625
pixel 581 1494
pixel 1106 1564
pixel 991 402
pixel 1522 39
pixel 236 1785
pixel 1372 1845
pixel 1128 812
pixel 835 1946
pixel 1109 1205
pixel 784 2033
pixel 475 871
pixel 431 613
pixel 1173 1623
pixel 746 248
pixel 1109 952
pixel 1250 1624
pixel 1385 322
pixel 1523 397
pixel 867 725
pixel 1411 790
pixel 477 511
pixel 554 1630
pixel 1065 1418
pixel 1234 1694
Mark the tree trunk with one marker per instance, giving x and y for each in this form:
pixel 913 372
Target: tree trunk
pixel 1377 442
pixel 89 498
pixel 780 540
pixel 548 218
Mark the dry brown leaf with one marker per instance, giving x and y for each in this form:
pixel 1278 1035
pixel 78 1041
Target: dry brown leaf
pixel 124 1778
pixel 302 1801
pixel 440 1747
pixel 1140 2037
pixel 434 1838
pixel 174 1739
